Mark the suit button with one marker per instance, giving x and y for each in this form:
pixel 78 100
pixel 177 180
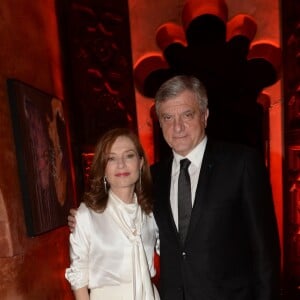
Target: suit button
pixel 183 254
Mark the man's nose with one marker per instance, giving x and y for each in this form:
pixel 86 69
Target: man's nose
pixel 178 124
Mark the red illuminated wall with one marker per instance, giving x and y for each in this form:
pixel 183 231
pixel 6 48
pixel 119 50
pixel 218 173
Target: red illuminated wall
pixel 31 268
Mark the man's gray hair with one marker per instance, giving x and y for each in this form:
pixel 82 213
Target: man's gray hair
pixel 178 84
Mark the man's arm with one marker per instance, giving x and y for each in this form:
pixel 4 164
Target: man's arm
pixel 72 219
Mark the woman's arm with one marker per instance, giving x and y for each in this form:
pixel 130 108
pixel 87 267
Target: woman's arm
pixel 78 272
pixel 82 294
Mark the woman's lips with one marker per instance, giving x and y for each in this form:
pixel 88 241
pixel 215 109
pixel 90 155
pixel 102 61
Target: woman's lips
pixel 122 174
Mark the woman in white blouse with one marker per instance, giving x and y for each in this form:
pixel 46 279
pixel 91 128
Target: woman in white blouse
pixel 112 245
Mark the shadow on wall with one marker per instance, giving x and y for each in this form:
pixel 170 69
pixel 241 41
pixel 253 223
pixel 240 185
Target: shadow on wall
pixel 221 54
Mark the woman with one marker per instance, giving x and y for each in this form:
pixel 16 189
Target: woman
pixel 112 245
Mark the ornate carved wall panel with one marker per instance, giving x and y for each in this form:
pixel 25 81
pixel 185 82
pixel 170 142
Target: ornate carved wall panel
pixel 97 54
pixel 291 80
pixel 95 38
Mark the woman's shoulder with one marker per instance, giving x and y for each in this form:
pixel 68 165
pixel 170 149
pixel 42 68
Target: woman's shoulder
pixel 86 213
pixel 82 208
pixel 83 212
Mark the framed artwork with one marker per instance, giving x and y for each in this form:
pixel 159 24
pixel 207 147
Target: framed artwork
pixel 44 157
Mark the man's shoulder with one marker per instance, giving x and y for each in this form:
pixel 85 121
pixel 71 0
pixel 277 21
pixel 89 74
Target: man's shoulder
pixel 233 151
pixel 161 164
pixel 230 146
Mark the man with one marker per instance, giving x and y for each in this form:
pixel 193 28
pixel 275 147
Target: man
pixel 217 226
pixel 231 248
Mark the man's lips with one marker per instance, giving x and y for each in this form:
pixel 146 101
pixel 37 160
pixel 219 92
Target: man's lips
pixel 179 137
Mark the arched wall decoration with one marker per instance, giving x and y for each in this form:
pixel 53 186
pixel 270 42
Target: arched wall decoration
pixel 222 54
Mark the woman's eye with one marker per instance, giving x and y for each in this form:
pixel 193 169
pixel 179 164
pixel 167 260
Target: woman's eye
pixel 111 158
pixel 130 155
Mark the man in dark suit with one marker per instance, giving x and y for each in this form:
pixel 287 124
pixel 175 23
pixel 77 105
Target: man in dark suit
pixel 225 246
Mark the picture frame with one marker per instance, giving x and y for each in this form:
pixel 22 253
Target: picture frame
pixel 43 155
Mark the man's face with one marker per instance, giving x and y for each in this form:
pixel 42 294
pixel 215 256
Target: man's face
pixel 182 122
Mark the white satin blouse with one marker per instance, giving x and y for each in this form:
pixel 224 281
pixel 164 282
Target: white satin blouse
pixel 101 253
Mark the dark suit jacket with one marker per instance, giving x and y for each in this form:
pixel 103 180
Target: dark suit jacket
pixel 232 248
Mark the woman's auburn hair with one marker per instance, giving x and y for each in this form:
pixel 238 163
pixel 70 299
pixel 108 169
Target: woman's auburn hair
pixel 96 195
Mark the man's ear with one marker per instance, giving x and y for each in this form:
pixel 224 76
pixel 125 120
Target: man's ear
pixel 206 114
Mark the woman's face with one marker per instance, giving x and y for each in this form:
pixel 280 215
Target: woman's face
pixel 123 164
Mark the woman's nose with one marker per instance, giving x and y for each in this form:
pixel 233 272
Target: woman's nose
pixel 120 161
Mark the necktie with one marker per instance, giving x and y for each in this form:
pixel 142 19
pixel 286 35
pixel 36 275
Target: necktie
pixel 184 199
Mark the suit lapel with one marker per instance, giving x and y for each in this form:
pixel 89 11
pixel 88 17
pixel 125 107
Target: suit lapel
pixel 207 169
pixel 209 162
pixel 164 205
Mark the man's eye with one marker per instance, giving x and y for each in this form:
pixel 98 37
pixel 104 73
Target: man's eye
pixel 189 115
pixel 167 118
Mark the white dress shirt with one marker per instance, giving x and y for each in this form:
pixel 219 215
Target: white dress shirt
pixel 195 157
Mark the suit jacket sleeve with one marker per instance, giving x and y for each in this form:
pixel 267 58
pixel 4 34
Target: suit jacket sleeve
pixel 262 226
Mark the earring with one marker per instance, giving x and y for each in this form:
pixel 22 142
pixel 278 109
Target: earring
pixel 140 179
pixel 105 184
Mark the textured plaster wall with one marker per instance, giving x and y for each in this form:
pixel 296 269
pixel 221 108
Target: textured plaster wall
pixel 31 268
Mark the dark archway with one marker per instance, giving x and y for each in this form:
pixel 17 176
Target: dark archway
pixel 221 54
